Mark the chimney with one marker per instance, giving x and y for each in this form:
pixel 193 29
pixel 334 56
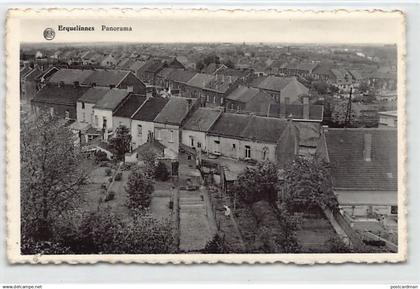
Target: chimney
pixel 367 150
pixel 305 107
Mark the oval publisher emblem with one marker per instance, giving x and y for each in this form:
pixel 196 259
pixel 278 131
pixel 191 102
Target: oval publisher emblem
pixel 49 34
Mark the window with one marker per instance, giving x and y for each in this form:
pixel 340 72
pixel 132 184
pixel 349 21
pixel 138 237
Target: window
pixel 214 99
pixel 104 122
pixel 139 130
pixel 83 105
pixel 96 121
pixel 171 136
pixel 192 141
pixel 199 144
pixel 394 210
pixel 83 116
pixel 216 147
pixel 221 100
pixel 208 98
pixel 247 152
pixel 234 146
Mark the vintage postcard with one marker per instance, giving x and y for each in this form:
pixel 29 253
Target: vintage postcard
pixel 196 136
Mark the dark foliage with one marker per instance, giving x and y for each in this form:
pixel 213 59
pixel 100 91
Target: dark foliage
pixel 161 172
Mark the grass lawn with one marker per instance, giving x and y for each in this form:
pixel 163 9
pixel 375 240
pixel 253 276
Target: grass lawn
pixel 313 234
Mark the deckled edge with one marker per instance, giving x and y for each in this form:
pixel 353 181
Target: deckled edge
pixel 300 259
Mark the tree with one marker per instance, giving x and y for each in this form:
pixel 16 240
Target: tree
pixel 139 189
pixel 321 87
pixel 149 157
pixel 52 172
pixel 120 144
pixel 338 115
pixel 258 183
pixel 308 183
pixel 161 172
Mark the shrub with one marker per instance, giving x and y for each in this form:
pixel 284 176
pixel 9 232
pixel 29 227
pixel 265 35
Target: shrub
pixel 100 156
pixel 110 196
pixel 336 245
pixel 126 167
pixel 216 246
pixel 108 172
pixel 118 177
pixel 104 186
pixel 161 172
pixel 139 190
pixel 110 180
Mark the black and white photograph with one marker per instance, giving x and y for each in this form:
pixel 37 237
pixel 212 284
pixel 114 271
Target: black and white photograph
pixel 207 147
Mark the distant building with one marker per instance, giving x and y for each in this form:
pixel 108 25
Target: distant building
pixel 388 119
pixel 249 99
pixel 281 89
pixel 109 61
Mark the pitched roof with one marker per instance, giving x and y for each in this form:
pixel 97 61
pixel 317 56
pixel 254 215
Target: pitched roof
pixel 166 72
pixel 152 65
pixel 69 76
pixel 150 109
pixel 243 94
pixel 230 125
pixel 66 95
pixel 105 77
pixel 93 94
pixel 221 83
pixel 124 63
pixel 33 74
pixel 250 127
pixel 274 83
pixel 175 111
pixel 129 105
pixel 24 71
pixel 200 80
pixel 137 65
pixel 202 119
pixel 264 129
pixel 182 76
pixel 348 167
pixel 111 99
